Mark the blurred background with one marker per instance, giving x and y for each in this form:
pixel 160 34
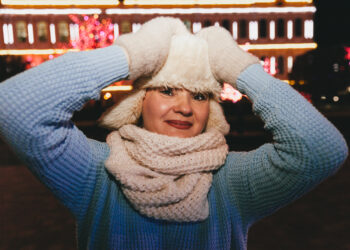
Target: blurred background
pixel 302 42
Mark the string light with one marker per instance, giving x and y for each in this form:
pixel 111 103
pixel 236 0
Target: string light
pixel 272 30
pixel 142 2
pixel 5 32
pixel 290 63
pixel 235 30
pixel 35 51
pixel 230 94
pixel 52 33
pixel 192 2
pixel 310 9
pixel 280 46
pixel 298 1
pixel 246 46
pixel 107 96
pixel 309 29
pixel 290 29
pixel 30 33
pixel 253 30
pixel 59 2
pixel 117 88
pixel 50 11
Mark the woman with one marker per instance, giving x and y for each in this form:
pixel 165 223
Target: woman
pixel 166 182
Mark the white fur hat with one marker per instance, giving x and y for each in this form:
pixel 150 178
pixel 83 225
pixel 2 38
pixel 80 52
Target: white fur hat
pixel 187 67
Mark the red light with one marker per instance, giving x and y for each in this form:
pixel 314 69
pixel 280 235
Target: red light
pixel 229 93
pixel 347 56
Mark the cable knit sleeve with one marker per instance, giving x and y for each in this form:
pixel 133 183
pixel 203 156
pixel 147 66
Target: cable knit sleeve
pixel 35 117
pixel 306 148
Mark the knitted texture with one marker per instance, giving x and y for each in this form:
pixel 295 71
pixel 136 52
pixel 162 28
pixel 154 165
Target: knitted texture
pixel 35 119
pixel 166 177
pixel 148 48
pixel 227 59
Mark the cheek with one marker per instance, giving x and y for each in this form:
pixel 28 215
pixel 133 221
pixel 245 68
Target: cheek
pixel 153 110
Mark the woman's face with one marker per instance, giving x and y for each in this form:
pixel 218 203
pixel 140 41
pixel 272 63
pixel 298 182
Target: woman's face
pixel 175 112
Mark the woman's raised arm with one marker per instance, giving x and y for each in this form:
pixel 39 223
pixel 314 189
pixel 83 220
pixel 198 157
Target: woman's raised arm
pixel 306 147
pixel 36 110
pixel 37 106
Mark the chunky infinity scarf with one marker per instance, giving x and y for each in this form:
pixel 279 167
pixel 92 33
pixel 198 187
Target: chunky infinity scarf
pixel 166 177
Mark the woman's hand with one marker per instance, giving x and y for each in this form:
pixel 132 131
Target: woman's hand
pixel 227 59
pixel 148 48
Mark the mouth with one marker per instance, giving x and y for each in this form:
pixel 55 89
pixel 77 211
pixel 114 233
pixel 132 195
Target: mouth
pixel 179 124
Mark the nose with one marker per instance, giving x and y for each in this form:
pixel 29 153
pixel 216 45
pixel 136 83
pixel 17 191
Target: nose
pixel 183 104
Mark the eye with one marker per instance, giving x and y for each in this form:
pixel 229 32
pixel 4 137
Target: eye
pixel 200 96
pixel 167 91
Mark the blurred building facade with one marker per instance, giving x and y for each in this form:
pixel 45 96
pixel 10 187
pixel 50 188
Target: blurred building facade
pixel 277 31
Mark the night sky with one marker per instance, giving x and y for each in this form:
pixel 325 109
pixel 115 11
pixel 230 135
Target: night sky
pixel 332 22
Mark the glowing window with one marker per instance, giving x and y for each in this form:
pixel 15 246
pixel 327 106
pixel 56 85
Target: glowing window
pixel 30 33
pixel 290 29
pixel 125 27
pixel 197 26
pixel 5 33
pixel 116 30
pixel 10 30
pixel 8 33
pixel 234 30
pixel 42 31
pixel 273 65
pixel 74 31
pixel 63 32
pixel 253 30
pixel 21 31
pixel 309 29
pixel 53 33
pixel 290 63
pixel 272 30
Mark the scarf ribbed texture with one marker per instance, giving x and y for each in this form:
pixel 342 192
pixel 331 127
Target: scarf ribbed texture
pixel 166 177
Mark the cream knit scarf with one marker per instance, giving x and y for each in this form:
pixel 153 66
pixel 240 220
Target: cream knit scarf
pixel 166 177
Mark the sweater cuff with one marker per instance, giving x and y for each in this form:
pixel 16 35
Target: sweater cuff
pixel 253 80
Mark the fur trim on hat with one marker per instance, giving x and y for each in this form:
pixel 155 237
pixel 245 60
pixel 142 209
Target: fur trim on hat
pixel 217 118
pixel 187 67
pixel 128 111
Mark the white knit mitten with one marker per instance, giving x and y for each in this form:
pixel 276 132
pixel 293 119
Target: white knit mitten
pixel 148 48
pixel 227 59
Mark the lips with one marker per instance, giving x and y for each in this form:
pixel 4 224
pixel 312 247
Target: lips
pixel 179 124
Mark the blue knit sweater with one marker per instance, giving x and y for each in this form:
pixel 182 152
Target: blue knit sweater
pixel 35 119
